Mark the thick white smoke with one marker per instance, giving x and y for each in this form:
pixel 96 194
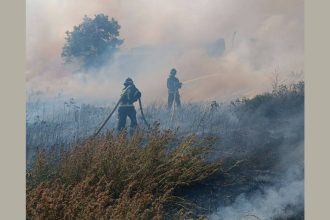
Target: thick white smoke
pixel 282 199
pixel 271 203
pixel 160 35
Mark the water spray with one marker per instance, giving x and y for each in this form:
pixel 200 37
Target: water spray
pixel 201 77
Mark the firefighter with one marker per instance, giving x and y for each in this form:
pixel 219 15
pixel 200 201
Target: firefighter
pixel 130 94
pixel 173 86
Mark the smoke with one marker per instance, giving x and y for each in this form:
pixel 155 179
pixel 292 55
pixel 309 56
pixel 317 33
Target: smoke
pixel 284 201
pixel 283 196
pixel 160 35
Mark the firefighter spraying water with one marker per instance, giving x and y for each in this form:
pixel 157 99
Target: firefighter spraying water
pixel 130 94
pixel 173 86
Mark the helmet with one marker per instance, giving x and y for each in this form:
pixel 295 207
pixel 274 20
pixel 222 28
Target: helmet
pixel 128 81
pixel 173 72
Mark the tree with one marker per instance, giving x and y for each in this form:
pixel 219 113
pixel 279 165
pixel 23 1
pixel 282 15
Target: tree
pixel 93 42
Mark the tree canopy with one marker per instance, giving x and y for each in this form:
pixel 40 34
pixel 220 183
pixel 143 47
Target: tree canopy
pixel 92 42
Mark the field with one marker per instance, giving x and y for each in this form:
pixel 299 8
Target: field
pixel 238 160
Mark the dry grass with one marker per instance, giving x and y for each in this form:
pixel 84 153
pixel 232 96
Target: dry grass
pixel 114 177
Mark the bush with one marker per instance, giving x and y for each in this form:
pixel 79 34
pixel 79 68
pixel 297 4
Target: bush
pixel 283 100
pixel 113 177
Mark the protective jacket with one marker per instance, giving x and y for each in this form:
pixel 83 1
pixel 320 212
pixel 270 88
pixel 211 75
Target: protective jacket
pixel 129 95
pixel 173 84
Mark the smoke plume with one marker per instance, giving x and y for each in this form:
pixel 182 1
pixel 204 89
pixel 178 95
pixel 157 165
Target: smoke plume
pixel 259 35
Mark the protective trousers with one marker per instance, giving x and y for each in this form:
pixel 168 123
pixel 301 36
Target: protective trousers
pixel 173 96
pixel 123 112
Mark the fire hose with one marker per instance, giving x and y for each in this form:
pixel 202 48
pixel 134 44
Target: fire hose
pixel 113 111
pixel 142 114
pixel 107 119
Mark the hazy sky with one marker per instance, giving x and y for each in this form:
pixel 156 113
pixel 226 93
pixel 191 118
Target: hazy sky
pixel 163 34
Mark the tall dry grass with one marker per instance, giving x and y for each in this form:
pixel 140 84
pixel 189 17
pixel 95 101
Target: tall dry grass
pixel 116 177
